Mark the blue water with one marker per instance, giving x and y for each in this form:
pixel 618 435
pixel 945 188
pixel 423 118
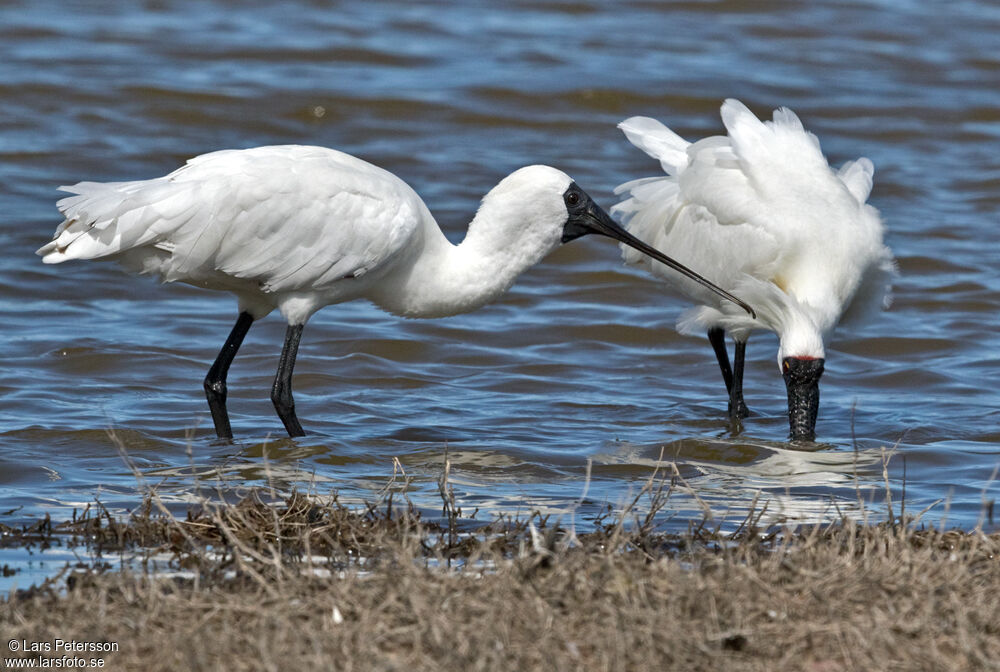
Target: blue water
pixel 579 364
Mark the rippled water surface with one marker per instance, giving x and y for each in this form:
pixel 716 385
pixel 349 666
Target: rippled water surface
pixel 579 363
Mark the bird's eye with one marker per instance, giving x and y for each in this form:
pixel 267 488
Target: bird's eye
pixel 572 198
pixel 785 366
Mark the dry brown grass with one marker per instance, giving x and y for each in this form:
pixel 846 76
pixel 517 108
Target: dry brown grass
pixel 382 596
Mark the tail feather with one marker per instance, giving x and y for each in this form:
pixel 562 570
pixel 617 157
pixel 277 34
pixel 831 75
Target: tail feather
pixel 649 204
pixel 658 141
pixel 103 219
pixel 858 177
pixel 764 145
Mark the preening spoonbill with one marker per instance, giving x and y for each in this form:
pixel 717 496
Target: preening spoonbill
pixel 298 228
pixel 761 213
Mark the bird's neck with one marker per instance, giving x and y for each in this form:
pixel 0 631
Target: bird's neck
pixel 447 279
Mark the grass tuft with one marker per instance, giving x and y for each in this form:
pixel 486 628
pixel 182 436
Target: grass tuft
pixel 302 581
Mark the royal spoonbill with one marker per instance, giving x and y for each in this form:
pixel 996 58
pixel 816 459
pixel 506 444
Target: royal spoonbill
pixel 297 228
pixel 761 212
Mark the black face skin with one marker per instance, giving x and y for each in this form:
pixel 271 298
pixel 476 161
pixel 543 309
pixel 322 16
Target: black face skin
pixel 585 217
pixel 802 381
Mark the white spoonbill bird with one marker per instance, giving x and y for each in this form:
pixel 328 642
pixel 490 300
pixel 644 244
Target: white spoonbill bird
pixel 761 212
pixel 297 228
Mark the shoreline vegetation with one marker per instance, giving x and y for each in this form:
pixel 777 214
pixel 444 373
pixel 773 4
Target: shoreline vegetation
pixel 304 582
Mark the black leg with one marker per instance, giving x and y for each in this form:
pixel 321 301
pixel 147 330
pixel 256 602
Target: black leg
pixel 281 392
pixel 215 381
pixel 737 407
pixel 717 337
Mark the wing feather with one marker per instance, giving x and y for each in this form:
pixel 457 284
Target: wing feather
pixel 283 217
pixel 760 202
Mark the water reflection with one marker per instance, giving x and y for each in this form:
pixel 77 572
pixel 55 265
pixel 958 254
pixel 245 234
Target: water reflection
pixel 729 477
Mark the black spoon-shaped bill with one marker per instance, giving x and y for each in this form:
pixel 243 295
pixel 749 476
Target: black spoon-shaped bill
pixel 802 376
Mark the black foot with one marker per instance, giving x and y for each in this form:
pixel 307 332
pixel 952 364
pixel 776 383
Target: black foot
pixel 290 421
pixel 738 410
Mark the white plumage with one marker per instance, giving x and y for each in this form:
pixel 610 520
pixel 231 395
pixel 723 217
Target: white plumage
pixel 761 213
pixel 298 228
pixel 275 225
